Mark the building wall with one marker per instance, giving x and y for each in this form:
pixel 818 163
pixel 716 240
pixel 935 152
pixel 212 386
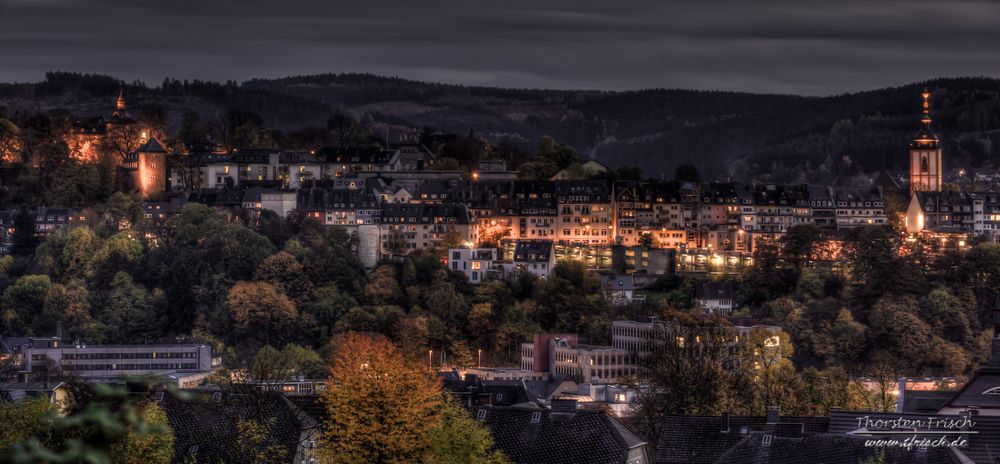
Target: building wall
pixel 119 360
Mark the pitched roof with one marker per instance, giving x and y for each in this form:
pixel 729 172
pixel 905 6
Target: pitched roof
pixel 765 448
pixel 207 430
pixel 583 437
pixel 700 439
pixel 151 146
pixel 533 250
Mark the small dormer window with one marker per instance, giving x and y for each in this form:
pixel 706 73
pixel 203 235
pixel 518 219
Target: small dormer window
pixel 481 414
pixel 536 417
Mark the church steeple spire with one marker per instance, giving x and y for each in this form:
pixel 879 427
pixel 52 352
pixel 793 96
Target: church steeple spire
pixel 925 154
pixel 120 104
pixel 926 119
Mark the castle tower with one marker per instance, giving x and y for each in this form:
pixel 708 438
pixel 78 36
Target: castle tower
pixel 925 155
pixel 149 168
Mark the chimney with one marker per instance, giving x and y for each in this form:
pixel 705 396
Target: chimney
pixel 773 415
pixel 901 397
pixel 725 422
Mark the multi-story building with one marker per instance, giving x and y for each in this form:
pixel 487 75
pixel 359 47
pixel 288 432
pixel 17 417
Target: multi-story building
pixel 584 212
pixel 46 221
pixel 50 356
pixel 535 257
pixel 478 264
pixel 631 342
pixel 239 168
pixel 967 213
pixel 859 207
pixel 407 227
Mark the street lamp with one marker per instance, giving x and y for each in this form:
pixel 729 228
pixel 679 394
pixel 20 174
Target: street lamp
pixel 429 359
pixel 480 363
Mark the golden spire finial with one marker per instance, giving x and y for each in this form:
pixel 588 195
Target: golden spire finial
pixel 120 105
pixel 927 107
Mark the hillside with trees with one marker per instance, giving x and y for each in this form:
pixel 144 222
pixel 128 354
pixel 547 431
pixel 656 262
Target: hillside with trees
pixel 725 134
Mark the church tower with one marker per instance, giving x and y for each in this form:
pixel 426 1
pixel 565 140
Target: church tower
pixel 925 155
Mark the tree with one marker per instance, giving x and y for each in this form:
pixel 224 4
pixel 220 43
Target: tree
pixel 382 408
pixel 150 441
pixel 112 427
pixel 123 139
pixel 291 361
pixel 687 173
pixel 10 142
pixel 286 273
pixel 31 418
pixel 128 311
pixel 24 303
pixel 25 240
pixel 259 443
pixel 260 310
pixel 802 244
pixel 460 439
pixel 327 304
pixel 688 373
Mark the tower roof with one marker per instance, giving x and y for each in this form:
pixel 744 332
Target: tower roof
pixel 926 138
pixel 120 104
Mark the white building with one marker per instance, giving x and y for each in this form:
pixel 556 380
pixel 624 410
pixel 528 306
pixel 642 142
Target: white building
pixel 475 263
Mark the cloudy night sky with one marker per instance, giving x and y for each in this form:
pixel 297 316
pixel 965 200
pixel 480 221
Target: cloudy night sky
pixel 785 46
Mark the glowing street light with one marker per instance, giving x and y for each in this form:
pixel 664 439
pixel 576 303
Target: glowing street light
pixel 480 362
pixel 430 353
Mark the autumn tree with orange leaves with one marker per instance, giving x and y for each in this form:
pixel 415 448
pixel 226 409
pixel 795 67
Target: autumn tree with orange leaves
pixel 382 407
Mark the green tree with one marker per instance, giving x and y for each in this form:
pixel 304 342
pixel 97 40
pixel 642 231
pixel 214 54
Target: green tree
pixel 260 310
pixel 460 439
pixel 286 273
pixel 24 303
pixel 149 441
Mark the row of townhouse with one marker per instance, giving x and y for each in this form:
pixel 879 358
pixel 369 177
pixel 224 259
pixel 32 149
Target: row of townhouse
pixel 294 168
pixel 958 213
pixel 721 220
pixel 45 221
pixel 677 215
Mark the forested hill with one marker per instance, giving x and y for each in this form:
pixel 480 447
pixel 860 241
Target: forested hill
pixel 743 135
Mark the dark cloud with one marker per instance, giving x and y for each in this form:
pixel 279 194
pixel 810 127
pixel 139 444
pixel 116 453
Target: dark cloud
pixel 799 46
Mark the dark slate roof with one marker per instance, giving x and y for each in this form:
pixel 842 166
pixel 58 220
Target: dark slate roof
pixel 700 439
pixel 357 155
pixel 925 402
pixel 824 449
pixel 7 344
pixel 533 250
pixel 427 213
pixel 322 199
pixel 583 437
pixel 17 391
pixel 715 289
pixel 311 405
pixel 857 195
pixel 151 146
pixel 595 190
pixel 613 282
pixel 972 393
pixel 206 430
